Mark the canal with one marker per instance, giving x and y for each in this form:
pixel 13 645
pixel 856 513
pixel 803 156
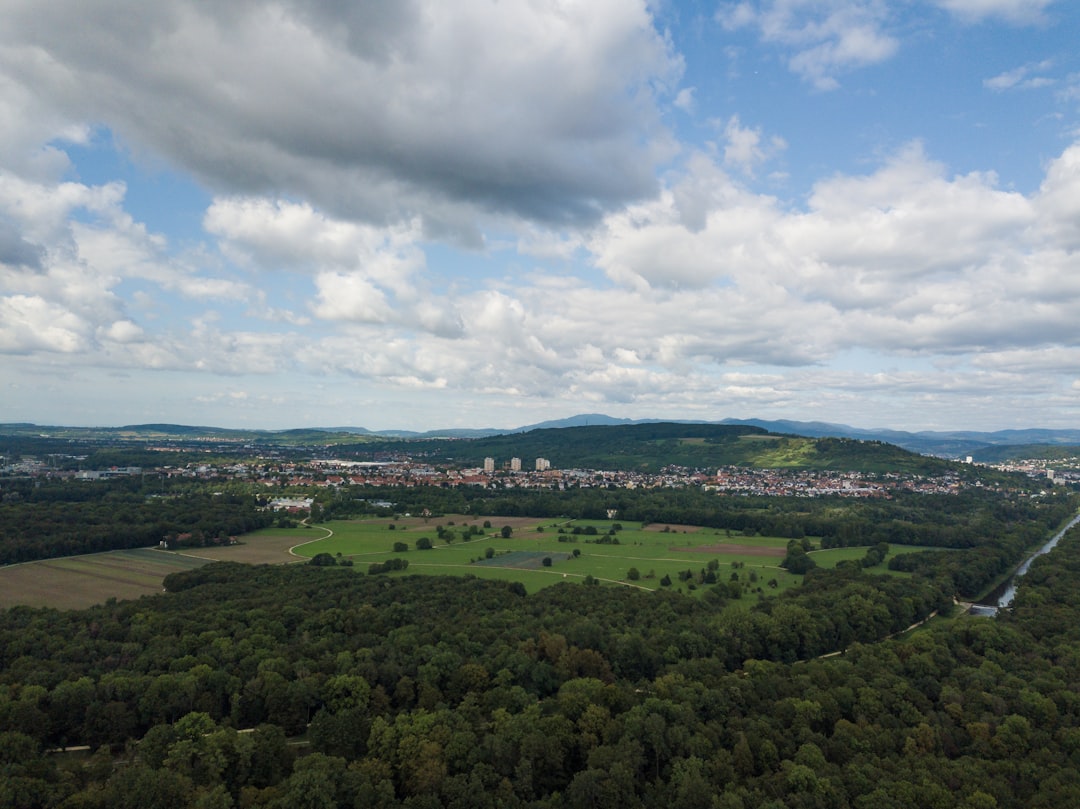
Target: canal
pixel 1003 595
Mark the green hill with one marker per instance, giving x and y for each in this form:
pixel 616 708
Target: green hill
pixel 651 447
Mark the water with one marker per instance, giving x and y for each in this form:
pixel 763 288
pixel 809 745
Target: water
pixel 1002 596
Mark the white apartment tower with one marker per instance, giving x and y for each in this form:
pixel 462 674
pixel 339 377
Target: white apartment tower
pixel 542 464
pixel 489 464
pixel 515 464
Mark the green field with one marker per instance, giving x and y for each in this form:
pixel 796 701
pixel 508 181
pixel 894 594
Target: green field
pixel 655 551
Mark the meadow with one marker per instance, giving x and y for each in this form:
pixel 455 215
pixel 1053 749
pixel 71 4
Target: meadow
pixel 655 551
pixel 579 551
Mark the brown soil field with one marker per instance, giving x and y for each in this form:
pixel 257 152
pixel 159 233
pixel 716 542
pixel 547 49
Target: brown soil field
pixel 741 550
pixel 260 550
pixel 674 528
pixel 78 582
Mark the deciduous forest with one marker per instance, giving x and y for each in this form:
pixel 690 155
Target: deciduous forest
pixel 426 692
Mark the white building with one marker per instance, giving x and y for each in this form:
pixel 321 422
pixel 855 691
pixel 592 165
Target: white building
pixel 515 464
pixel 542 464
pixel 489 464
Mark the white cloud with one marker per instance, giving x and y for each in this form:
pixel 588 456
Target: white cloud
pixel 684 100
pixel 350 297
pixel 744 149
pixel 30 323
pixel 281 235
pixel 1021 78
pixel 1058 200
pixel 1020 12
pixel 827 39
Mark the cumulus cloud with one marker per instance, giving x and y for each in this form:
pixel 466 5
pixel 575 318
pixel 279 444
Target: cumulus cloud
pixel 826 39
pixel 68 249
pixel 745 148
pixel 514 108
pixel 30 323
pixel 282 235
pixel 16 250
pixel 1021 78
pixel 1020 12
pixel 904 259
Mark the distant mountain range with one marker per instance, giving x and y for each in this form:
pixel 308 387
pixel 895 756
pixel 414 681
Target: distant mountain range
pixel 987 446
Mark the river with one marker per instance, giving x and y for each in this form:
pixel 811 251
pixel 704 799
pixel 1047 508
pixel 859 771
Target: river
pixel 1003 595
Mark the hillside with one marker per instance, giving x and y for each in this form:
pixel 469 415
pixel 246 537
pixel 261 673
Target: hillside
pixel 652 446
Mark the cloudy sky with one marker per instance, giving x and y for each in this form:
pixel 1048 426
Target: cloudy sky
pixel 427 214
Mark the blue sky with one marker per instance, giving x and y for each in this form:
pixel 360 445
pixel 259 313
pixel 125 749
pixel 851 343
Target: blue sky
pixel 420 214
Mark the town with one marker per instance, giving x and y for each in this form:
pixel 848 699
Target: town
pixel 403 471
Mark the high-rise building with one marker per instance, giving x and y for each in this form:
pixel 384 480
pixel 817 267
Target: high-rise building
pixel 489 464
pixel 515 464
pixel 542 464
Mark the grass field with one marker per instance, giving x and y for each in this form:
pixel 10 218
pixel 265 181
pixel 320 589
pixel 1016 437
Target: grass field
pixel 76 582
pixel 655 551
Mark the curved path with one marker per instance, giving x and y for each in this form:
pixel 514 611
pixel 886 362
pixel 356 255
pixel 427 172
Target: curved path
pixel 292 550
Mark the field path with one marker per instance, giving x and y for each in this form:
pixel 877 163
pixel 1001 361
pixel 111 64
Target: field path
pixel 292 550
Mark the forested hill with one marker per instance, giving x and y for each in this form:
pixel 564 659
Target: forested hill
pixel 650 447
pixel 644 447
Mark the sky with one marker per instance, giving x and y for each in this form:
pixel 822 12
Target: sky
pixel 489 213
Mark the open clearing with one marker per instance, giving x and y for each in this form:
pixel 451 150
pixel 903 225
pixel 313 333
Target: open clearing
pixel 681 552
pixel 76 582
pixel 267 547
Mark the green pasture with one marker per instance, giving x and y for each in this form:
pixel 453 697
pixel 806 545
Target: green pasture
pixel 655 550
pixel 655 553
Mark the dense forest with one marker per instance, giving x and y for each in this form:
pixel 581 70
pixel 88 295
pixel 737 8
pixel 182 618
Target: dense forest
pixel 421 692
pixel 40 519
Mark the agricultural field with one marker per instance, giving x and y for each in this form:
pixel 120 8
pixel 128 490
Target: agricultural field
pixel 577 550
pixel 77 582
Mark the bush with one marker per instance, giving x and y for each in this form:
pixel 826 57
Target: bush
pixel 633 574
pixel 546 562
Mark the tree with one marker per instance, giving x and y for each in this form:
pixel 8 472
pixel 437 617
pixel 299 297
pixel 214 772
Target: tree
pixel 489 553
pixel 323 560
pixel 400 547
pixel 546 562
pixel 633 574
pixel 423 544
pixel 506 531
